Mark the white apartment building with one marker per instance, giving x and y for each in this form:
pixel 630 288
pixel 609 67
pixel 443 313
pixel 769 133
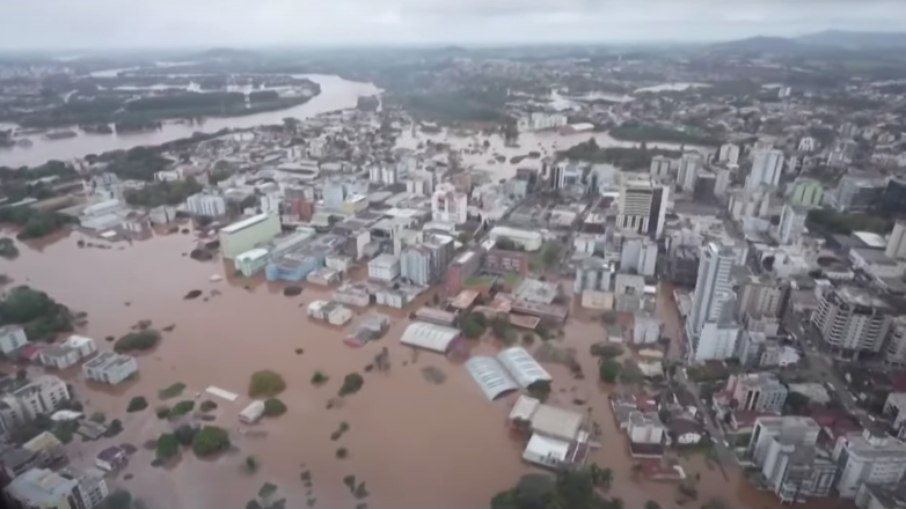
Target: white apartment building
pixel 12 337
pixel 896 243
pixel 540 121
pixel 784 449
pixel 690 165
pixel 714 286
pixel 807 144
pixel 448 205
pixel 205 204
pixel 868 458
pixel 645 428
pixel 759 392
pixel 385 267
pixel 767 166
pixel 729 153
pixel 792 224
pixel 639 255
pixel 852 319
pixel 715 342
pixel 41 396
pixel 660 167
pixel 110 368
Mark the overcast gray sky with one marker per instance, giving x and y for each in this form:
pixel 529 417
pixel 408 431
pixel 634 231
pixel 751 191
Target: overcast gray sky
pixel 27 24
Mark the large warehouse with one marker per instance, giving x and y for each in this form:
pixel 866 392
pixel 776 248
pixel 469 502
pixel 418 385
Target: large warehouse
pixel 242 236
pixel 429 336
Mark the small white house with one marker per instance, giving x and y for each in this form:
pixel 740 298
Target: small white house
pixel 331 312
pixel 59 356
pixel 12 337
pixel 110 368
pixel 84 345
pixel 252 413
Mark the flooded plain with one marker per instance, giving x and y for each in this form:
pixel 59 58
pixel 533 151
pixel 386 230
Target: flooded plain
pixel 415 444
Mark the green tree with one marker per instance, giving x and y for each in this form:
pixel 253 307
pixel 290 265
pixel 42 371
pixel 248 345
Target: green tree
pixel 551 254
pixel 251 464
pixel 351 384
pixel 210 440
pixel 136 404
pixel 651 504
pixel 540 390
pixel 185 434
pixel 119 499
pixel 610 371
pixel 273 407
pixel 266 383
pixel 167 446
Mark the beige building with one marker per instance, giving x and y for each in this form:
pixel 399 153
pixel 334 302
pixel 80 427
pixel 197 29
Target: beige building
pixel 242 236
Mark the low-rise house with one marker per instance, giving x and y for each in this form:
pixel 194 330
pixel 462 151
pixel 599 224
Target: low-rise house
pixel 59 356
pixel 374 326
pixel 324 276
pixel 331 312
pixel 111 458
pixel 684 430
pixel 39 488
pixel 12 337
pixel 110 368
pixel 557 436
pixel 646 435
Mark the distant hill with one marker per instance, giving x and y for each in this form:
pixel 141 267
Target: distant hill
pixel 758 44
pixel 856 40
pixel 226 54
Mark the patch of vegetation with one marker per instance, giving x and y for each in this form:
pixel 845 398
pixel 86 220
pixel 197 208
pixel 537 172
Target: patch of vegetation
pixel 267 490
pixel 65 430
pixel 573 489
pixel 172 391
pixel 539 390
pixel 114 428
pixel 167 446
pixel 207 406
pixel 185 434
pixel 137 404
pixel 831 221
pixel 181 408
pixel 342 453
pixel 210 440
pixel 251 464
pixel 631 373
pixel 627 158
pixel 319 378
pixel 41 317
pixel 162 412
pixel 273 407
pixel 266 383
pixel 606 350
pixel 634 131
pixel 119 499
pixel 351 384
pixel 341 429
pixel 609 371
pixel 8 248
pixel 473 325
pixel 137 341
pixel 98 417
pixel 34 223
pixel 156 194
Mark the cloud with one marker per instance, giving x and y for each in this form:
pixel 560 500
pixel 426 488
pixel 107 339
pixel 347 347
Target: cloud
pixel 174 23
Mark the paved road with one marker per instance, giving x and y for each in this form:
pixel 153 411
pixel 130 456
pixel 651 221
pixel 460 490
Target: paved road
pixel 725 455
pixel 820 364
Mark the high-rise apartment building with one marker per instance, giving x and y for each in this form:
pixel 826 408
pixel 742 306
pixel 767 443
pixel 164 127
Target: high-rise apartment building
pixel 643 208
pixel 852 319
pixel 767 166
pixel 868 457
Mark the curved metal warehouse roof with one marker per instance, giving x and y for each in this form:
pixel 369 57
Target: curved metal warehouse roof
pixel 490 376
pixel 429 336
pixel 524 368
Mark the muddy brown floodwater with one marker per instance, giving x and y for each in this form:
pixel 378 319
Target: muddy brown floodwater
pixel 414 443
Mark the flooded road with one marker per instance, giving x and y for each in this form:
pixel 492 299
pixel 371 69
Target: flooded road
pixel 415 444
pixel 336 93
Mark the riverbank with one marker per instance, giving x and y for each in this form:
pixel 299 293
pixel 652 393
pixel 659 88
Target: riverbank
pixel 335 94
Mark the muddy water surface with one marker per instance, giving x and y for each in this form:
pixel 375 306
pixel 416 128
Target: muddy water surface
pixel 415 444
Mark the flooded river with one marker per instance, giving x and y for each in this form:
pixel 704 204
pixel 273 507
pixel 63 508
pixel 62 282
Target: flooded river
pixel 336 93
pixel 415 444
